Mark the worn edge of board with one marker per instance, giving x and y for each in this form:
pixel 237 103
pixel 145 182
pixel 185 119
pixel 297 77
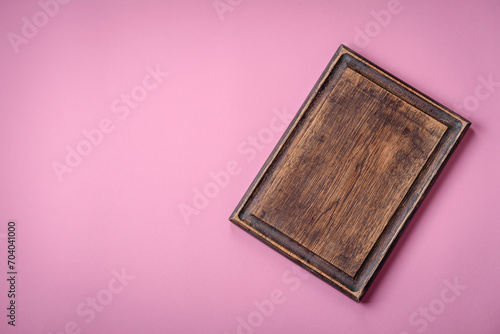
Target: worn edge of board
pixel 457 126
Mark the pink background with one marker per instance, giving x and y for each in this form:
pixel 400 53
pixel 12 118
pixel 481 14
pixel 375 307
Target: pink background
pixel 229 74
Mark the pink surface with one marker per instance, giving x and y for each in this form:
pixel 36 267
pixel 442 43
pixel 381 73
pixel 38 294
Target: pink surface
pixel 102 245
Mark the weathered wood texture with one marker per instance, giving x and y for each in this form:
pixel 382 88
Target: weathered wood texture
pixel 349 172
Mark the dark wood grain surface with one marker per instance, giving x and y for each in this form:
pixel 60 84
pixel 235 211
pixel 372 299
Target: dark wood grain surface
pixel 349 172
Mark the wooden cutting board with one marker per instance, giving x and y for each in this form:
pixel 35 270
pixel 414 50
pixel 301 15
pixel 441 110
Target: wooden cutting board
pixel 349 172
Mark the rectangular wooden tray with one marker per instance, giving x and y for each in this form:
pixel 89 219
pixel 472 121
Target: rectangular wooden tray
pixel 349 172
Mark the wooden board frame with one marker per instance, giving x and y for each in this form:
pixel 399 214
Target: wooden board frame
pixel 336 203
